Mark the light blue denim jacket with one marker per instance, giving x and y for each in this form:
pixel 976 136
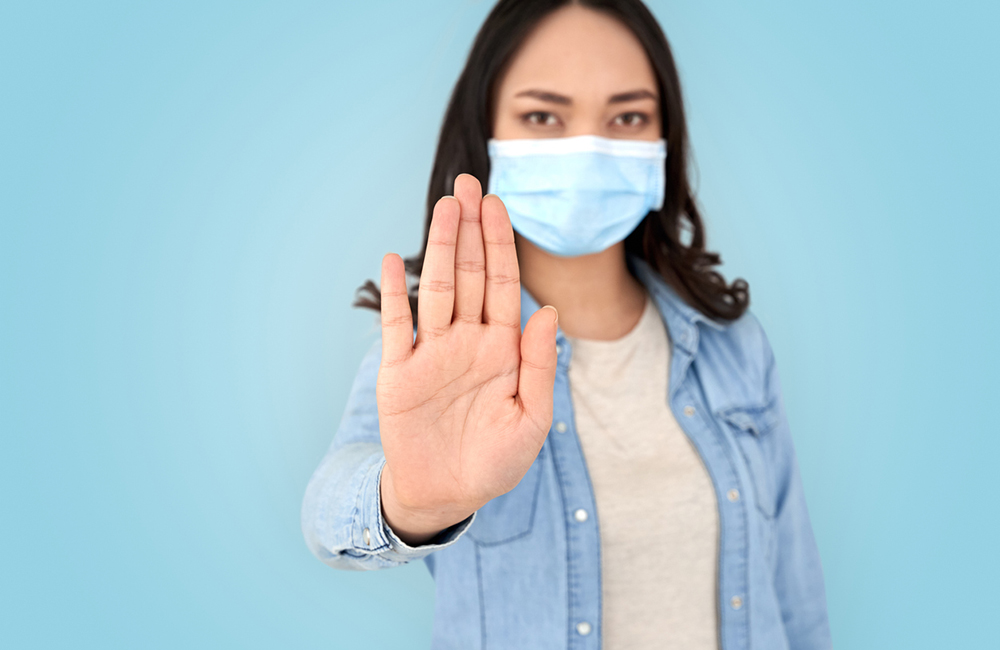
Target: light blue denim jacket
pixel 523 572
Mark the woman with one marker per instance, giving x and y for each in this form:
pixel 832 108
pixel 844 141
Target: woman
pixel 491 438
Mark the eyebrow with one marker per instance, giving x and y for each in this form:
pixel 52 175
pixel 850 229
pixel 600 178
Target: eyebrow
pixel 631 96
pixel 546 96
pixel 556 98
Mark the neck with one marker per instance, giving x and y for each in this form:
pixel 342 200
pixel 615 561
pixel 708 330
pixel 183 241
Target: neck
pixel 596 296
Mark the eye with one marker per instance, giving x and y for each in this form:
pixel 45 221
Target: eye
pixel 541 118
pixel 631 120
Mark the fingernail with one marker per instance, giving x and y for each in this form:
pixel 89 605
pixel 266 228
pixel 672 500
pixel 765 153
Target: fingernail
pixel 554 311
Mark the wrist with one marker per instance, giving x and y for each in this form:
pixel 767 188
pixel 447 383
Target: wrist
pixel 413 525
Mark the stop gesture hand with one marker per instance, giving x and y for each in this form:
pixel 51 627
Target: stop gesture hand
pixel 463 410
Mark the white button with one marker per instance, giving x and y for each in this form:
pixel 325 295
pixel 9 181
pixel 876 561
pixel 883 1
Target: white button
pixel 559 350
pixel 367 537
pixel 734 495
pixel 583 628
pixel 580 515
pixel 689 411
pixel 561 427
pixel 736 602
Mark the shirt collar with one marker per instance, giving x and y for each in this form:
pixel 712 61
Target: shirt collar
pixel 680 318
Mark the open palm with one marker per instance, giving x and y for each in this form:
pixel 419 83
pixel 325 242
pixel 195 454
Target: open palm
pixel 464 409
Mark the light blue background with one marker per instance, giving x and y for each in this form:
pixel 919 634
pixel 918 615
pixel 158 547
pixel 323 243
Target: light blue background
pixel 190 193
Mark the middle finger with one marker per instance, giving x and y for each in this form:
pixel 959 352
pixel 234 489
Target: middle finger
pixel 470 258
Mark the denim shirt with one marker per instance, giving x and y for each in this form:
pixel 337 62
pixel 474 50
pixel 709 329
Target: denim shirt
pixel 523 571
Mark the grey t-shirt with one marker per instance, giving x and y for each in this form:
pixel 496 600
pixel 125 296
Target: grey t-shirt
pixel 656 507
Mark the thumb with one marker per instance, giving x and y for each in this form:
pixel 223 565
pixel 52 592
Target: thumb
pixel 538 366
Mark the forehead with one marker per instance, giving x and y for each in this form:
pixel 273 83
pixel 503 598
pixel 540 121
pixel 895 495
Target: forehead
pixel 579 52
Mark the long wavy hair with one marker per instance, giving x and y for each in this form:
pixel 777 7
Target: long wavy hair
pixel 671 240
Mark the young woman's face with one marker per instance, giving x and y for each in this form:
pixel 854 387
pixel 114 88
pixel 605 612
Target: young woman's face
pixel 580 72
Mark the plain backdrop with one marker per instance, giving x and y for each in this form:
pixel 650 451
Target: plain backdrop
pixel 190 193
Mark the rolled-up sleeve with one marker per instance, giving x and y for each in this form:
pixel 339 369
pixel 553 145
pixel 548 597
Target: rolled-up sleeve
pixel 342 518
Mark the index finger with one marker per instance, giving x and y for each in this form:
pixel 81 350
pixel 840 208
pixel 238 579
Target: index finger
pixel 502 302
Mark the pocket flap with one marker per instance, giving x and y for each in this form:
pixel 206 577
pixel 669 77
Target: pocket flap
pixel 755 420
pixel 749 425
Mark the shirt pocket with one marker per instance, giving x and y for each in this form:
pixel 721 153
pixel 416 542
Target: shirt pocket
pixel 510 516
pixel 750 426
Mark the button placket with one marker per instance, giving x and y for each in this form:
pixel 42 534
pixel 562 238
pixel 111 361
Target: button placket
pixel 582 540
pixel 713 445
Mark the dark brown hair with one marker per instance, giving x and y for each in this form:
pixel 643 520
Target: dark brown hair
pixel 660 238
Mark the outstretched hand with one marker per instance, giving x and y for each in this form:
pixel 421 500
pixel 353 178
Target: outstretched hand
pixel 463 410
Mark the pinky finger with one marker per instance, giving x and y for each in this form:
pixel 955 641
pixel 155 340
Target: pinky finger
pixel 397 320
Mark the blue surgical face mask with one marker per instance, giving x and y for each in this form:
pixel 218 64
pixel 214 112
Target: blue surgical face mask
pixel 579 195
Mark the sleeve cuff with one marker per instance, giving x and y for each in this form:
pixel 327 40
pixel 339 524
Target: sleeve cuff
pixel 371 533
